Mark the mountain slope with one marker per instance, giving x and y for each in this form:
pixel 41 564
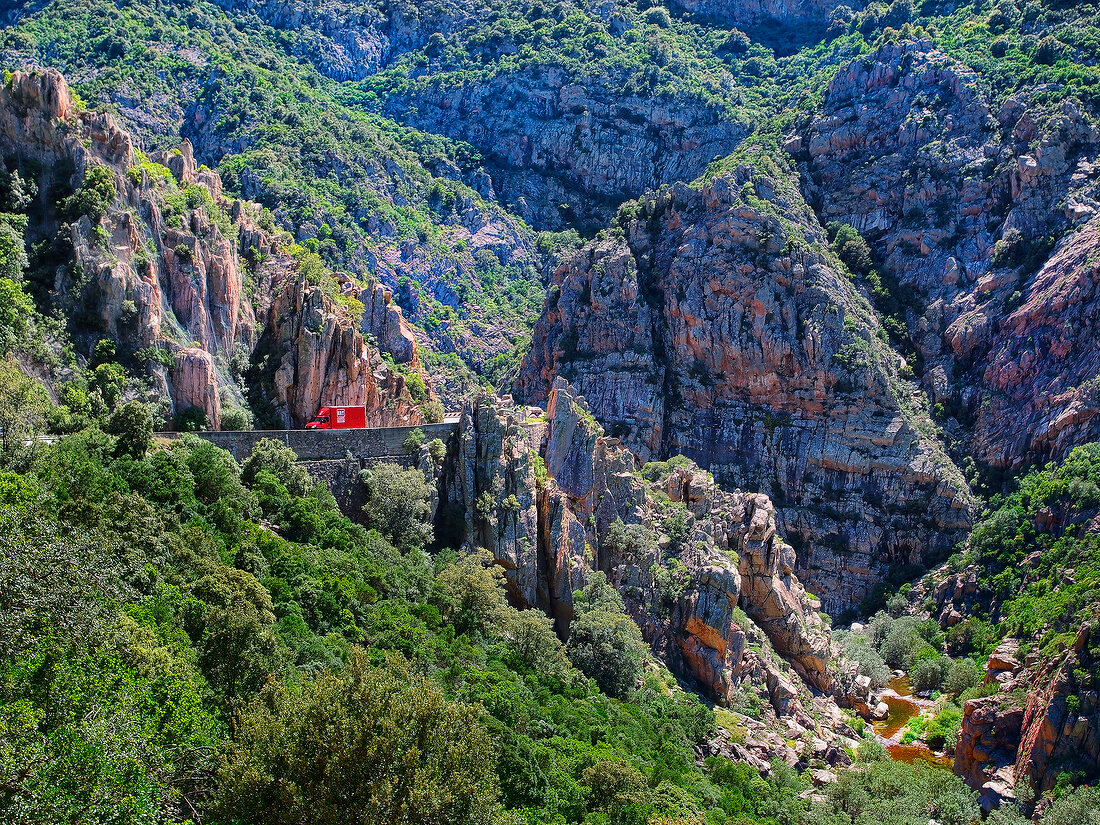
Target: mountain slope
pixel 714 322
pixel 147 254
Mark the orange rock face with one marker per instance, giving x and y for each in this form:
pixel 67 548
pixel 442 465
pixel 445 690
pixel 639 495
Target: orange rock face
pixel 195 384
pixel 1041 372
pixel 193 283
pixel 552 521
pixel 1003 740
pixel 321 359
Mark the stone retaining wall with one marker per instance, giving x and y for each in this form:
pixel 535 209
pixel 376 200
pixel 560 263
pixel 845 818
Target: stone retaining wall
pixel 328 445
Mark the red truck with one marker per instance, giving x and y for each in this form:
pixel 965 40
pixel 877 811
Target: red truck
pixel 339 418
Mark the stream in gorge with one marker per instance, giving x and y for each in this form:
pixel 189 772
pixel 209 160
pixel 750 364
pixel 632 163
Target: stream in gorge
pixel 889 731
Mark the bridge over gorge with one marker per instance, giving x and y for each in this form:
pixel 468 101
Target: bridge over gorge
pixel 334 456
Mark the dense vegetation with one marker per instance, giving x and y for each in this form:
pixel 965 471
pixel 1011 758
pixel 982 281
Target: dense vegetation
pixel 352 186
pixel 290 120
pixel 186 636
pixel 1026 542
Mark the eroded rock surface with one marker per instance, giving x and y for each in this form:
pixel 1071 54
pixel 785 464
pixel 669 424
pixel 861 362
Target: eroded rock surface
pixel 556 139
pixel 712 322
pixel 702 571
pixel 1039 723
pixel 956 196
pixel 320 358
pixel 191 280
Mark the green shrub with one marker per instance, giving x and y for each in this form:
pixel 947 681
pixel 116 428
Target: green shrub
pixel 398 505
pixel 942 730
pixel 437 449
pixel 1011 250
pixel 191 420
pixel 929 673
pixel 604 643
pixel 1078 807
pixel 962 675
pixel 415 385
pixel 132 424
pixel 236 418
pixel 94 197
pixel 858 648
pixel 413 441
pixel 433 411
pixel 1048 50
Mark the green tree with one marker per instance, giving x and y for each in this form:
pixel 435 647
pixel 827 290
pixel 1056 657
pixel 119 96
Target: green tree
pixel 413 441
pixel 13 253
pixel 53 582
pixel 470 593
pixel 108 380
pixel 132 424
pixel 23 406
pixel 532 635
pixel 373 745
pixel 1080 806
pixel 851 248
pixel 217 485
pixel 399 505
pixel 191 420
pixel 282 462
pixel 238 651
pixel 15 309
pixel 236 418
pixel 603 641
pixel 619 790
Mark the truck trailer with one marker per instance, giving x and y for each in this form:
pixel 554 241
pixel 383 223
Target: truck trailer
pixel 339 418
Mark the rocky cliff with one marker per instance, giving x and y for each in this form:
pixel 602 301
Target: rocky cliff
pixel 349 40
pixel 566 150
pixel 767 20
pixel 702 570
pixel 961 197
pixel 554 499
pixel 319 357
pixel 713 322
pixel 564 144
pixel 177 274
pixel 1043 720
